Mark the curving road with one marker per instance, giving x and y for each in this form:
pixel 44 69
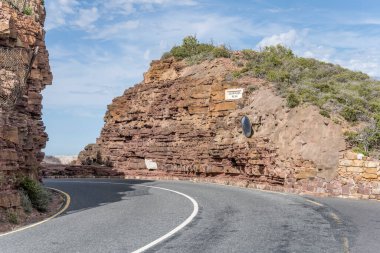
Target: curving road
pixel 126 215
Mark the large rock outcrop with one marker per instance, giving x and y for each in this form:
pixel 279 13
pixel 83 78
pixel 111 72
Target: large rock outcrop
pixel 179 123
pixel 22 132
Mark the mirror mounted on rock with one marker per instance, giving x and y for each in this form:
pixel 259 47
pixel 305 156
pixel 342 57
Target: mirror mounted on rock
pixel 247 126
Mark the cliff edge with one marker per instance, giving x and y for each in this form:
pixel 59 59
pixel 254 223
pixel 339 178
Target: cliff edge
pixel 24 73
pixel 184 121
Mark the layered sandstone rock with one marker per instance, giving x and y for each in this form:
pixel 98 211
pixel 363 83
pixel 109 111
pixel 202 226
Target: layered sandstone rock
pixel 81 171
pixel 90 155
pixel 22 132
pixel 179 121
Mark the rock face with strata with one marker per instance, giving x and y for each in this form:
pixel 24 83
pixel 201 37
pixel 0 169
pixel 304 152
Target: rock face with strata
pixel 22 132
pixel 177 123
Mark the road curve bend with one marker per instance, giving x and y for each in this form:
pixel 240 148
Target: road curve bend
pixel 163 216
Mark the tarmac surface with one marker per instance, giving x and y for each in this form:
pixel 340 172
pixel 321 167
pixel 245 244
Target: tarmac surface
pixel 107 215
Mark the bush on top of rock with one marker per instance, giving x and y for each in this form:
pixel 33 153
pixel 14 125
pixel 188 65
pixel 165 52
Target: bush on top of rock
pixel 195 52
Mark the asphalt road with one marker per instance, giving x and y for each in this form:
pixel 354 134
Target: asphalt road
pixel 124 216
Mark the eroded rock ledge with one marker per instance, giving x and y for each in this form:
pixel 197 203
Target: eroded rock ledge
pixel 178 120
pixel 22 132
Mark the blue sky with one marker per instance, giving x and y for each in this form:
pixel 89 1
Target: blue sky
pixel 100 48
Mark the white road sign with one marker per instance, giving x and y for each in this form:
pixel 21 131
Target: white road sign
pixel 233 94
pixel 150 164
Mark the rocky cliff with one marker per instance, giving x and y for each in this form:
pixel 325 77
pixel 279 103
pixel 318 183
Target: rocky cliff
pixel 184 121
pixel 24 73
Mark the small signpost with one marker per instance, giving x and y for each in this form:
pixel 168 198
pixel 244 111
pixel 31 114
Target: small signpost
pixel 234 94
pixel 150 164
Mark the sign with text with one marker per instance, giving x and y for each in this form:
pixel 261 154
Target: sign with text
pixel 233 94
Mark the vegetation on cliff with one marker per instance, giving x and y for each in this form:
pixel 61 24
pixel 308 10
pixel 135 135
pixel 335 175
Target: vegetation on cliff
pixel 338 92
pixel 195 52
pixel 35 195
pixel 335 90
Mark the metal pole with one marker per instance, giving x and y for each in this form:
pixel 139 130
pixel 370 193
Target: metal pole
pixel 32 59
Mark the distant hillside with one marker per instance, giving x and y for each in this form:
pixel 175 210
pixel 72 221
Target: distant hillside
pixel 60 159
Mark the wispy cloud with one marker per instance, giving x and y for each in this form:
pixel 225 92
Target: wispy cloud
pixel 348 49
pixel 87 18
pixel 75 13
pixel 58 11
pixel 114 31
pixel 289 39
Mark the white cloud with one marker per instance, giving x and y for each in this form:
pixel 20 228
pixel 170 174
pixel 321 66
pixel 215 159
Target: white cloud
pixel 218 28
pixel 57 12
pixel 134 3
pixel 280 10
pixel 91 78
pixel 147 54
pixel 115 30
pixel 370 21
pixel 87 18
pixel 123 6
pixel 347 49
pixel 77 14
pixel 366 60
pixel 288 39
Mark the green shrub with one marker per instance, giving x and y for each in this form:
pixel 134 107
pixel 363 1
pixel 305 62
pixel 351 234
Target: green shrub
pixel 248 54
pixel 334 89
pixel 25 202
pixel 198 58
pixel 166 55
pixel 252 88
pixel 38 196
pixel 366 140
pixel 221 52
pixel 370 137
pixel 28 10
pixel 377 120
pixel 350 114
pixel 12 217
pixel 236 74
pixel 192 48
pixel 360 150
pixel 325 113
pixel 292 100
pixel 351 137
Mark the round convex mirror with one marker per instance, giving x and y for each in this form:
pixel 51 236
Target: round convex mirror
pixel 247 126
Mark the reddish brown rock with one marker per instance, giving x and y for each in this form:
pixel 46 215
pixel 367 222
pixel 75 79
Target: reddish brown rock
pixel 22 132
pixel 90 155
pixel 81 171
pixel 178 120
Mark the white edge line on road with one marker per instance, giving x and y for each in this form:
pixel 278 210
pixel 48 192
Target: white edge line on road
pixel 314 202
pixel 169 234
pixel 68 199
pixel 181 226
pixel 195 212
